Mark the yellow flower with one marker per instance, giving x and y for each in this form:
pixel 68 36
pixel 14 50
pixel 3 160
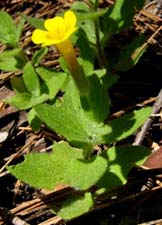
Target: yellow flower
pixel 58 30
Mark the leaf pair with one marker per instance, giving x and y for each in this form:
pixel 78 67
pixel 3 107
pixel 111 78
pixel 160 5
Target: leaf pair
pixel 81 121
pixel 66 165
pixel 120 17
pixel 29 89
pixel 9 32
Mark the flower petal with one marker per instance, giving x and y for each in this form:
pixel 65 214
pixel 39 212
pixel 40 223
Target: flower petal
pixel 39 36
pixel 70 19
pixel 42 37
pixel 58 30
pixel 54 22
pixel 56 27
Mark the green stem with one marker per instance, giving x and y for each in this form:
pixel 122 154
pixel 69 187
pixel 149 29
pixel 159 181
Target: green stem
pixel 96 5
pixel 101 57
pixel 99 49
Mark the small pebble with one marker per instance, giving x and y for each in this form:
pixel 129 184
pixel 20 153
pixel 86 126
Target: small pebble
pixel 3 136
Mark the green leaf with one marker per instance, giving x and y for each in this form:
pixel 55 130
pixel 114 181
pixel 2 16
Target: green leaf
pixel 71 121
pixel 98 101
pixel 46 73
pixel 31 80
pixel 126 125
pixel 54 80
pixel 20 29
pixel 65 165
pixel 39 55
pixel 55 84
pixel 83 11
pixel 33 120
pixel 18 84
pixel 93 1
pixel 37 23
pixel 85 22
pixel 26 100
pixel 66 122
pixel 100 73
pixel 10 53
pixel 12 60
pixel 121 159
pixel 89 28
pixel 8 30
pixel 109 79
pixel 20 101
pixel 131 54
pixel 74 120
pixel 63 65
pixel 83 125
pixel 80 7
pixel 35 100
pixel 120 16
pixel 82 172
pixel 75 206
pixel 46 170
pixel 86 57
pixel 9 64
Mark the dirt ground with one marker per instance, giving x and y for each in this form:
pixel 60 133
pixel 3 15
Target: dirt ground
pixel 140 200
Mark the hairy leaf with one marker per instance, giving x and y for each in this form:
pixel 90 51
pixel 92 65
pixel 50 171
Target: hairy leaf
pixel 8 30
pixel 53 80
pixel 131 54
pixel 31 80
pixel 12 60
pixel 65 165
pixel 75 206
pixel 18 84
pixel 20 100
pixel 36 22
pixel 120 16
pixel 25 100
pixel 126 125
pixel 34 120
pixel 39 55
pixel 79 126
pixel 121 159
pixel 86 57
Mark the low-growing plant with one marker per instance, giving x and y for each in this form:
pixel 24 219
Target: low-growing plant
pixel 74 102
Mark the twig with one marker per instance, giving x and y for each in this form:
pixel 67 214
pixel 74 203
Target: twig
pixel 156 107
pixel 153 222
pixel 17 221
pixel 8 216
pixel 4 173
pixel 131 107
pixel 53 221
pixel 26 146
